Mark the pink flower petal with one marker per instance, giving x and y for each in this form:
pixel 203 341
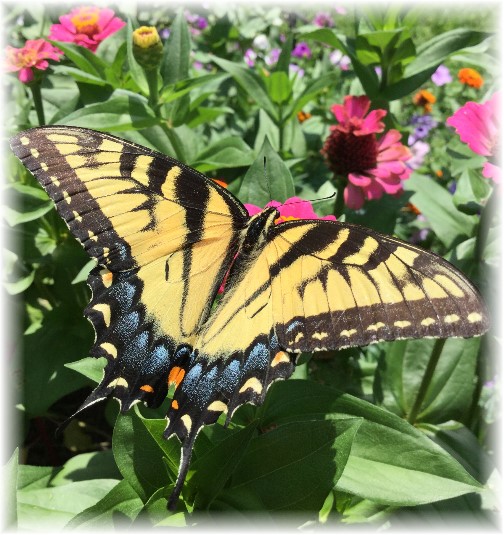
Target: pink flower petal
pixel 372 123
pixel 357 106
pixel 493 172
pixel 252 209
pixel 25 75
pixel 361 181
pixel 353 197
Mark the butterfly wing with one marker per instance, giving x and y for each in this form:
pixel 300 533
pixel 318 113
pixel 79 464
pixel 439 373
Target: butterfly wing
pixel 320 285
pixel 163 236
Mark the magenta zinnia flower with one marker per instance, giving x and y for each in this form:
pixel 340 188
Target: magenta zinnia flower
pixel 478 127
pixel 302 50
pixel 372 166
pixel 33 55
pixel 293 208
pixel 86 26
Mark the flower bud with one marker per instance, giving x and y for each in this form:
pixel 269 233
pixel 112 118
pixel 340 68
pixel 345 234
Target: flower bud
pixel 147 47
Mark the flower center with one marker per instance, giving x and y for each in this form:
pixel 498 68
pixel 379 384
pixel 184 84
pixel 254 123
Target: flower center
pixel 27 57
pixel 86 21
pixel 347 153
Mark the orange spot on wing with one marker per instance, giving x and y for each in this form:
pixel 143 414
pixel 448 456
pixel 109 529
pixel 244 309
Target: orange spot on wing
pixel 174 404
pixel 176 375
pixel 147 388
pixel 281 356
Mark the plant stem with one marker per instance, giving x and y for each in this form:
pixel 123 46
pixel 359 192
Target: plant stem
pixel 152 81
pixel 339 203
pixel 426 380
pixel 37 101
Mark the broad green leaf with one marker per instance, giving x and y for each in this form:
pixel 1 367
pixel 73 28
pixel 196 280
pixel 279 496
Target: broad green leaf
pixel 312 89
pixel 116 510
pixel 268 178
pixel 292 467
pixel 177 49
pixel 250 82
pixel 80 75
pixel 122 111
pixel 449 394
pixel 51 508
pixel 328 37
pixel 90 367
pixel 138 455
pixel 472 190
pixel 436 50
pixel 406 85
pixel 181 88
pixel 213 469
pixel 14 217
pixel 279 87
pixel 202 115
pixel 436 204
pixel 391 462
pixel 84 59
pixel 84 272
pixel 87 466
pixel 64 336
pixel 10 480
pixel 227 152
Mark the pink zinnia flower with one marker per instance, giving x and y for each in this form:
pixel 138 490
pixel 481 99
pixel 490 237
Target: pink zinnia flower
pixel 293 208
pixel 33 55
pixel 372 166
pixel 86 26
pixel 478 127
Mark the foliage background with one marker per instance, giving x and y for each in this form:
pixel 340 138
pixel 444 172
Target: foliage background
pixel 337 443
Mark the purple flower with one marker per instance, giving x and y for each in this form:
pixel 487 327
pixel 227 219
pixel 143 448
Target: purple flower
pixel 323 19
pixel 296 70
pixel 338 59
pixel 442 76
pixel 201 23
pixel 272 57
pixel 418 150
pixel 250 57
pixel 302 50
pixel 423 125
pixel 164 33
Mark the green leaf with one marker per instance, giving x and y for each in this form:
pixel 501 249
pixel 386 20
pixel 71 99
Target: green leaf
pixel 183 87
pixel 52 508
pixel 250 82
pixel 84 59
pixel 90 367
pixel 436 204
pixel 134 69
pixel 138 455
pixel 268 178
pixel 87 466
pixel 177 49
pixel 391 462
pixel 449 395
pixel 282 65
pixel 80 76
pixel 10 478
pixel 116 510
pixel 433 52
pixel 279 87
pixel 213 469
pixel 312 89
pixel 292 467
pixel 224 153
pixel 122 111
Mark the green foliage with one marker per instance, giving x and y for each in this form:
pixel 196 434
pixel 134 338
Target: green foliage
pixel 377 434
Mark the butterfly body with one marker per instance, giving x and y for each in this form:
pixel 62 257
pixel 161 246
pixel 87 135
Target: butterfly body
pixel 165 237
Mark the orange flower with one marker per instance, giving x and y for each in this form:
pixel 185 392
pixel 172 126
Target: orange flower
pixel 470 77
pixel 302 116
pixel 425 99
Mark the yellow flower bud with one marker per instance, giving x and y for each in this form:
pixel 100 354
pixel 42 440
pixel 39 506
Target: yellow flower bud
pixel 147 47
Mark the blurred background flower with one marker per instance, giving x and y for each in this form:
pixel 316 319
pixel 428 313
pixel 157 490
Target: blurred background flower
pixel 442 76
pixel 470 77
pixel 86 26
pixel 33 55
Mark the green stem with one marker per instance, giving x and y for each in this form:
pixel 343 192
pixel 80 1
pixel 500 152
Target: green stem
pixel 484 227
pixel 339 203
pixel 152 81
pixel 37 101
pixel 426 379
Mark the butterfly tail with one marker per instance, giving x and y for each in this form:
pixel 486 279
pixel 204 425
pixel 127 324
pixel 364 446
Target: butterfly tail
pixel 185 460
